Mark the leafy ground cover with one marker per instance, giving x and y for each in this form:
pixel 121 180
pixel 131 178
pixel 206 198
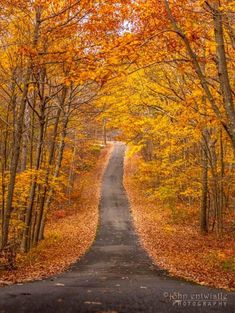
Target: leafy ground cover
pixel 174 242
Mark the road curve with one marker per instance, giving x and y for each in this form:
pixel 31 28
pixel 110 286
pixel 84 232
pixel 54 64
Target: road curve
pixel 115 275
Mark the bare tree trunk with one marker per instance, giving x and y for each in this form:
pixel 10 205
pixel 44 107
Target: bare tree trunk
pixel 223 72
pixel 72 168
pixel 3 160
pixel 14 161
pixel 204 197
pixel 47 200
pixel 56 173
pixel 29 210
pixel 104 131
pixel 221 187
pixel 45 188
pixel 25 141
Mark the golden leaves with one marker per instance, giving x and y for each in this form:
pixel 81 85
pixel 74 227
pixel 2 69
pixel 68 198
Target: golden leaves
pixel 173 241
pixel 69 233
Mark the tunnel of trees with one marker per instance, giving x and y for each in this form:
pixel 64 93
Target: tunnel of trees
pixel 158 74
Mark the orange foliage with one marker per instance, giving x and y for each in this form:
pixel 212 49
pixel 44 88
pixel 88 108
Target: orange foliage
pixel 68 236
pixel 179 247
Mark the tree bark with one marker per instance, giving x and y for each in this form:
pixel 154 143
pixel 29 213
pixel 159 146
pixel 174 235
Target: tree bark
pixel 204 196
pixel 45 188
pixel 222 68
pixel 18 138
pixel 56 173
pixel 29 210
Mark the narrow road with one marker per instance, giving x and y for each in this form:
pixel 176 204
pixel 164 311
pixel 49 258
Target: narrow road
pixel 115 275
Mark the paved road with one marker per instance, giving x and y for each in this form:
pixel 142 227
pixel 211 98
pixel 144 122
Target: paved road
pixel 116 275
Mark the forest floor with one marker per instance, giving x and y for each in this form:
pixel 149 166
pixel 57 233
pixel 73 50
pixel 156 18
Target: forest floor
pixel 69 233
pixel 173 241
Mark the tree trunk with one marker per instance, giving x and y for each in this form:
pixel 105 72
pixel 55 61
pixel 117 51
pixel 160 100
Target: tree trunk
pixel 204 197
pixel 29 210
pixel 56 173
pixel 45 188
pixel 15 160
pixel 104 131
pixel 18 138
pixel 223 72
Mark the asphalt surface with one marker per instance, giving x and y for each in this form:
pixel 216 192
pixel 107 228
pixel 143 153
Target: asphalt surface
pixel 116 274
